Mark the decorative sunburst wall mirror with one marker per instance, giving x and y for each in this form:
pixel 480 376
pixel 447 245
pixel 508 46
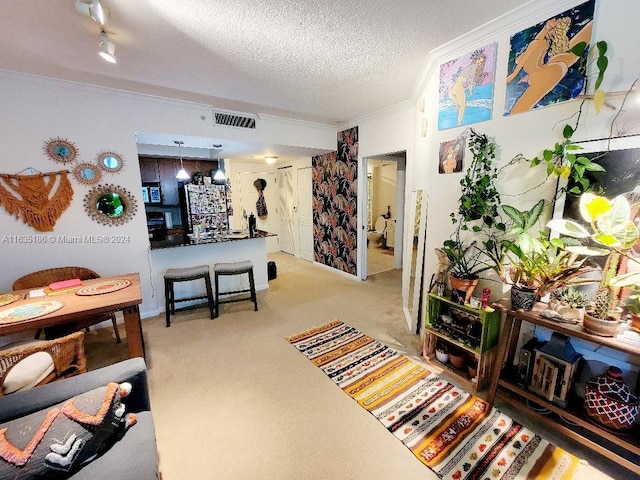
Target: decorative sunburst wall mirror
pixel 87 173
pixel 60 150
pixel 110 205
pixel 110 162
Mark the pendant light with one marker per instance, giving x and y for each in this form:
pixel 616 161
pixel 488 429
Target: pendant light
pixel 182 173
pixel 219 175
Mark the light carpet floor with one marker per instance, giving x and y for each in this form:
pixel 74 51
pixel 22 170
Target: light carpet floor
pixel 232 400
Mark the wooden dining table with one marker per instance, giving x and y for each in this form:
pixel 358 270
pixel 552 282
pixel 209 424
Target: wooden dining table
pixel 76 306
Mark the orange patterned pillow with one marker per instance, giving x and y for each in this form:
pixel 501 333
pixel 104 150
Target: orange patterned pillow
pixel 57 442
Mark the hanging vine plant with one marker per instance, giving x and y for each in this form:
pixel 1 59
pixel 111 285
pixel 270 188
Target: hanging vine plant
pixel 479 198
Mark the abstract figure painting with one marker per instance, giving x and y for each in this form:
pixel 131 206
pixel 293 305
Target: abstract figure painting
pixel 542 70
pixel 466 88
pixel 452 155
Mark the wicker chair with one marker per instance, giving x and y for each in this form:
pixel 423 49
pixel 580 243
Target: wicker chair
pixel 67 354
pixel 42 278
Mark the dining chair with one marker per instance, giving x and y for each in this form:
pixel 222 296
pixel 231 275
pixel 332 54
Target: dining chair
pixel 27 365
pixel 43 278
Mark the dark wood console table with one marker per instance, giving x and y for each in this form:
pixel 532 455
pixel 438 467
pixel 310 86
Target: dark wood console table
pixel 622 449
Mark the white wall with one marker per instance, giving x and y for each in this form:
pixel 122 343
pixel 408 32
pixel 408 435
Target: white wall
pixel 528 133
pixel 35 109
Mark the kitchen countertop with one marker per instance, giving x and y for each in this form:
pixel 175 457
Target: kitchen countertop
pixel 183 241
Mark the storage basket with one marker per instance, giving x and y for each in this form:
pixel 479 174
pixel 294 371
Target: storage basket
pixel 609 401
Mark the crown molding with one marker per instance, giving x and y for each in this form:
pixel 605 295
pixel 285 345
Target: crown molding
pixel 511 22
pixel 369 116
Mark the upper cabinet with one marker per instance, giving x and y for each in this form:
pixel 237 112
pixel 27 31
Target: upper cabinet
pixel 149 169
pixel 163 171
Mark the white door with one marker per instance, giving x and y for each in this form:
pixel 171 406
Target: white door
pixel 305 213
pixel 249 196
pixel 286 209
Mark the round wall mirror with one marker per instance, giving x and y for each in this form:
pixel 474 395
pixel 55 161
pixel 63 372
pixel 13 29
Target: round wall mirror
pixel 87 173
pixel 61 150
pixel 110 204
pixel 110 162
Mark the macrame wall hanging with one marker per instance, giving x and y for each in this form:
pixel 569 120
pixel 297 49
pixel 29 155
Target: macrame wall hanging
pixel 30 197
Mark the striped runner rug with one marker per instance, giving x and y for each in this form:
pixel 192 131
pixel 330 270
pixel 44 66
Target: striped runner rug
pixel 454 433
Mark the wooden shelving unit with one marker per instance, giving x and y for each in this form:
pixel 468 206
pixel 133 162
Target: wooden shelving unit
pixel 472 330
pixel 624 449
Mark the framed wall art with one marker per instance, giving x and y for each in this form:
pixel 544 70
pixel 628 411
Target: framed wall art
pixel 542 70
pixel 466 88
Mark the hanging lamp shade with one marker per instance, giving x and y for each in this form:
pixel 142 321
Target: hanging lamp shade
pixel 219 176
pixel 182 173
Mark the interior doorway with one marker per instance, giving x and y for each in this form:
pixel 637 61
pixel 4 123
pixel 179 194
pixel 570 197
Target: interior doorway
pixel 384 213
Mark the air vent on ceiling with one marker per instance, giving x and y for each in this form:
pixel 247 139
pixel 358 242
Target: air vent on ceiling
pixel 234 120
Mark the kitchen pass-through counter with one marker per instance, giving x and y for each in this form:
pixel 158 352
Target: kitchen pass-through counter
pixel 189 252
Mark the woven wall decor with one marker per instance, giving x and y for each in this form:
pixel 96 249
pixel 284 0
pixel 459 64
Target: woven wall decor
pixel 87 173
pixel 110 204
pixel 61 150
pixel 29 197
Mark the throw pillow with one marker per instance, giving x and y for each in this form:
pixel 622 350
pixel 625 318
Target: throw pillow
pixel 55 443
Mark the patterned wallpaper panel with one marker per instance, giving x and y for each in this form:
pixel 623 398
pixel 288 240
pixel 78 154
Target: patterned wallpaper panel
pixel 335 204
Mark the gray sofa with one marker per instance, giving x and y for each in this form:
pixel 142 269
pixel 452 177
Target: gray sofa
pixel 135 455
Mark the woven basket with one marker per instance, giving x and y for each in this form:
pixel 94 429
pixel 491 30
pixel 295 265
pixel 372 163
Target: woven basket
pixel 609 402
pixel 458 359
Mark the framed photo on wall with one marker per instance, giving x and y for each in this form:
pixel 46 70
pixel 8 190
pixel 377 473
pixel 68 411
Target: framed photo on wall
pixel 154 195
pixel 145 194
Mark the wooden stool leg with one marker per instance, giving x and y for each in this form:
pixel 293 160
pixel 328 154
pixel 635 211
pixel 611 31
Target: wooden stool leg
pixel 216 303
pixel 167 302
pixel 207 282
pixel 252 285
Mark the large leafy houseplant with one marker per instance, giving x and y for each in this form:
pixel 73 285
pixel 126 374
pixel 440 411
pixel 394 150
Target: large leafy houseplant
pixel 612 232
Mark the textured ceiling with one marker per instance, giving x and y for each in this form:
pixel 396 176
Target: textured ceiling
pixel 324 60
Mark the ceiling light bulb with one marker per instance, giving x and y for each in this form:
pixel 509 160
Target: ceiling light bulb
pixel 107 48
pixel 271 159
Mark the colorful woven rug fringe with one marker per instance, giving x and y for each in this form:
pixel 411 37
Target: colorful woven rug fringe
pixel 456 434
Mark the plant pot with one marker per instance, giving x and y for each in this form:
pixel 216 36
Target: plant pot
pixel 522 298
pixel 635 323
pixel 458 359
pixel 463 285
pixel 603 328
pixel 442 356
pixel 571 313
pixel 472 369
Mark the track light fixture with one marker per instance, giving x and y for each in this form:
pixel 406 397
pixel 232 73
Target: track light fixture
pixel 107 48
pixel 93 9
pixel 98 13
pixel 182 173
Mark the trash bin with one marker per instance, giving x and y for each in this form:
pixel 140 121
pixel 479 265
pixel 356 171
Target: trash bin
pixel 272 270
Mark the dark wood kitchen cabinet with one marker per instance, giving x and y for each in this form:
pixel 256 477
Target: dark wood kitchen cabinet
pixel 149 170
pixel 167 170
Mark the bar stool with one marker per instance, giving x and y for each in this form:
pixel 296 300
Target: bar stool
pixel 174 275
pixel 237 268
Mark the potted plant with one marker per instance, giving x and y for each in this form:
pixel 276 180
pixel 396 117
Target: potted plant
pixel 632 302
pixel 570 302
pixel 479 199
pixel 614 233
pixel 537 264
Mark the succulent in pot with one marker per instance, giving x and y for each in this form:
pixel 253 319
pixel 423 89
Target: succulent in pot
pixel 570 302
pixel 632 302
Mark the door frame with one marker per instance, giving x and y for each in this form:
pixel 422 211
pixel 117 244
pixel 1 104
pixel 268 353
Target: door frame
pixel 363 211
